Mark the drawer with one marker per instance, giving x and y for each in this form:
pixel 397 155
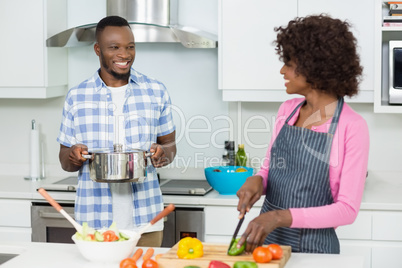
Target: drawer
pixel 387 225
pixel 15 213
pixel 223 220
pixel 360 229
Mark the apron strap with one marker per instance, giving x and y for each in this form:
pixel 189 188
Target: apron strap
pixel 335 118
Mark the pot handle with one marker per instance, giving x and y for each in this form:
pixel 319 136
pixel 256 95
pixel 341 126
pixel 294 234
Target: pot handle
pixel 86 156
pixel 149 164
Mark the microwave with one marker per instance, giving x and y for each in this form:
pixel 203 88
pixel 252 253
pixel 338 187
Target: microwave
pixel 395 72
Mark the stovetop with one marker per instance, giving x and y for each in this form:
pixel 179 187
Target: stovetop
pixel 168 186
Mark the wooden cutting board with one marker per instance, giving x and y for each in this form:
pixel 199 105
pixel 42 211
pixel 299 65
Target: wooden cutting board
pixel 217 252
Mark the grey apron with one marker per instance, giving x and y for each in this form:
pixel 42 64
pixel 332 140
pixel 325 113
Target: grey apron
pixel 299 178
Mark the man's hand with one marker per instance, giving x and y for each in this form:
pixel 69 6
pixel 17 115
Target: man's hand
pixel 71 157
pixel 164 150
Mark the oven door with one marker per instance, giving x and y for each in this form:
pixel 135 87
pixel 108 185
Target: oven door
pixel 48 225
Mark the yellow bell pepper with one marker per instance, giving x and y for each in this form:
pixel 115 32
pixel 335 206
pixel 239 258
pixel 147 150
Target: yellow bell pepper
pixel 190 248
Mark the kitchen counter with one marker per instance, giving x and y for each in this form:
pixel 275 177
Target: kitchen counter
pixel 50 255
pixel 382 192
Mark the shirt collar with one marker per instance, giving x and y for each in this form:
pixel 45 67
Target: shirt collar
pixel 99 82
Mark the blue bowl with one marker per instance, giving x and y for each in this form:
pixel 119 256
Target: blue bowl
pixel 227 181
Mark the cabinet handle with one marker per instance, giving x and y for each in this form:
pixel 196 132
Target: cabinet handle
pixel 52 215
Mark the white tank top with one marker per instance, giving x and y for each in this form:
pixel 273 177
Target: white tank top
pixel 122 198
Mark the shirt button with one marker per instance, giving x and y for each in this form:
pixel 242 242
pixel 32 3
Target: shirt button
pixel 314 128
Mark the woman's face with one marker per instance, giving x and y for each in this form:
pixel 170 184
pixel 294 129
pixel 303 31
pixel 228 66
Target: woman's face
pixel 294 83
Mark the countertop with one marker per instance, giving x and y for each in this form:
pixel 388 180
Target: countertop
pixel 382 192
pixel 50 255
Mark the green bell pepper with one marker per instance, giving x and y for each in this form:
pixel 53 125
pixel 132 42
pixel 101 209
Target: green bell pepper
pixel 234 251
pixel 245 264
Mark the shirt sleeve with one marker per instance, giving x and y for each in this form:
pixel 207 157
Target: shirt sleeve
pixel 66 135
pixel 352 174
pixel 166 125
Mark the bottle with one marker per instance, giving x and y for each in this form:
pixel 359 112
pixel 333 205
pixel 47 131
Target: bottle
pixel 241 157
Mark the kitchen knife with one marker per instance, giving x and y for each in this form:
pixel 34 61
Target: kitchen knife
pixel 236 232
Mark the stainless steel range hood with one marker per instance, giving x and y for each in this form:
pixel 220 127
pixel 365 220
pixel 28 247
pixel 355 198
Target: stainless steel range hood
pixel 151 21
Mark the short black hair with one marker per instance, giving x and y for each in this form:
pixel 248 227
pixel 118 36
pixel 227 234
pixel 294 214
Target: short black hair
pixel 110 21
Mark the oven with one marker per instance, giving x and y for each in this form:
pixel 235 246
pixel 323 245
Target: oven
pixel 48 225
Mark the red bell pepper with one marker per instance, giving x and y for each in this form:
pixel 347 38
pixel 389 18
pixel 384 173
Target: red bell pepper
pixel 218 264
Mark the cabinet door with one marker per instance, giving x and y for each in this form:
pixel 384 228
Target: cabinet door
pixel 221 222
pixel 387 255
pixel 361 15
pixel 22 47
pixel 247 58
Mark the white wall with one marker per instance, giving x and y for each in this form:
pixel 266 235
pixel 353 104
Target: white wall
pixel 191 78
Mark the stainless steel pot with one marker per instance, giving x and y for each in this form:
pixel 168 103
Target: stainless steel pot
pixel 118 166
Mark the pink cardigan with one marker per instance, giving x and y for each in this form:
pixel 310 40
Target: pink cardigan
pixel 347 171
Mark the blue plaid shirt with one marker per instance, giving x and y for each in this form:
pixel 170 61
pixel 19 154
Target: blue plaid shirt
pixel 88 119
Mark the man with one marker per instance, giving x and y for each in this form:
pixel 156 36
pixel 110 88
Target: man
pixel 117 105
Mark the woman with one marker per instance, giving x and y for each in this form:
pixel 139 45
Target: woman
pixel 315 167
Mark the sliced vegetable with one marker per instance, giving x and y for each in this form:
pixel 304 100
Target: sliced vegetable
pixel 218 264
pixel 245 264
pixel 191 266
pixel 234 250
pixel 262 255
pixel 149 263
pixel 157 256
pixel 190 248
pixel 110 236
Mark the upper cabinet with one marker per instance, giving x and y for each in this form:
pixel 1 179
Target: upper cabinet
pixel 248 64
pixel 29 69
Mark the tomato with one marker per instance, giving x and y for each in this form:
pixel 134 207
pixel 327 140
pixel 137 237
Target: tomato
pixel 262 255
pixel 91 236
pixel 110 236
pixel 128 263
pixel 149 263
pixel 276 251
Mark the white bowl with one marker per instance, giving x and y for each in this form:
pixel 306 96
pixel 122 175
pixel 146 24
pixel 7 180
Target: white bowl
pixel 108 251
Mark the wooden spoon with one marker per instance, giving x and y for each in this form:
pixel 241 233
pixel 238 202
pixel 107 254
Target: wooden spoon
pixel 57 206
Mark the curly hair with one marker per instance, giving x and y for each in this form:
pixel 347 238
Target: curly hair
pixel 324 50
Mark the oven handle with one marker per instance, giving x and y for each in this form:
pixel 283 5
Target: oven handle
pixel 52 215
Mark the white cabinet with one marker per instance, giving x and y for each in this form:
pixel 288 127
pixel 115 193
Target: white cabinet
pixel 29 69
pixel 15 220
pixel 221 222
pixel 247 61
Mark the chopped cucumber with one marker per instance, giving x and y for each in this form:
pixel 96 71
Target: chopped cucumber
pixel 99 237
pixel 123 236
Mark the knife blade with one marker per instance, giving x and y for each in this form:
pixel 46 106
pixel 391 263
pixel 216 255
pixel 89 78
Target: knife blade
pixel 236 232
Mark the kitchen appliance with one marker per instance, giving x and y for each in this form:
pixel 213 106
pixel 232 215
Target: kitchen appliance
pixel 168 186
pixel 395 72
pixel 218 252
pixel 151 21
pixel 50 226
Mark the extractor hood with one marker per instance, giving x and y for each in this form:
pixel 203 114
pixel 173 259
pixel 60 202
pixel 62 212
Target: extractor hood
pixel 150 20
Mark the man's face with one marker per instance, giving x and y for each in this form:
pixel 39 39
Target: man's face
pixel 116 51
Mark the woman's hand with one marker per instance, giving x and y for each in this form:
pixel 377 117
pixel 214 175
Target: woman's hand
pixel 258 229
pixel 249 193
